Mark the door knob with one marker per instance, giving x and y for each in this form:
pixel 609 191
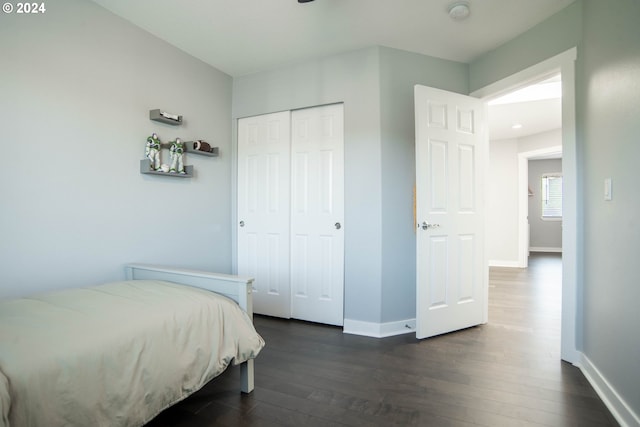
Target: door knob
pixel 426 225
pixel 241 223
pixel 338 226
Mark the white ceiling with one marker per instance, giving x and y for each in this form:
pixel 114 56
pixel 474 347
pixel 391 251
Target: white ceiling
pixel 536 108
pixel 535 117
pixel 245 36
pixel 240 37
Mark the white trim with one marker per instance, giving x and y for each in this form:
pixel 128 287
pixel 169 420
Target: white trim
pixel 620 410
pixel 544 249
pixel 234 196
pixel 572 253
pixel 379 330
pixel 526 76
pixel 503 263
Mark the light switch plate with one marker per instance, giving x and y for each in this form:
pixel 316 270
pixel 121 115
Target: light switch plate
pixel 607 190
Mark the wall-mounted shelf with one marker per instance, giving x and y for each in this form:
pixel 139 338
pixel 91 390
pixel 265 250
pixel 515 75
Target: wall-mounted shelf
pixel 175 120
pixel 145 168
pixel 164 117
pixel 188 149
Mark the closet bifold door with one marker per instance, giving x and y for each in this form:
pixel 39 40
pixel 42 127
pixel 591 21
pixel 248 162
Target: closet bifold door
pixel 264 203
pixel 317 214
pixel 291 212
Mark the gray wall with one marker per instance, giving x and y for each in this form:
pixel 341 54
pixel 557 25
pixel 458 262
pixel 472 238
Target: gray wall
pixel 376 86
pixel 77 85
pixel 400 71
pixel 609 125
pixel 543 233
pixel 560 32
pixel 607 91
pixel 351 78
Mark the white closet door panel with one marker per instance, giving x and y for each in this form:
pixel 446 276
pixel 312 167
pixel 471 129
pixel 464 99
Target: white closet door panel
pixel 291 212
pixel 317 214
pixel 263 210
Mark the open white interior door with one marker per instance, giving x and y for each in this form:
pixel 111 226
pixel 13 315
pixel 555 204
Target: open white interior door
pixel 451 156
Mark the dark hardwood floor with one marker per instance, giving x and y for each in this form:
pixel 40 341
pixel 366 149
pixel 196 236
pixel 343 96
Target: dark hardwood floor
pixel 505 373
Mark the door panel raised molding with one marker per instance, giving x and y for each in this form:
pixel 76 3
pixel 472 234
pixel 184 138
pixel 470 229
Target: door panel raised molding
pixel 291 207
pixel 263 210
pixel 450 159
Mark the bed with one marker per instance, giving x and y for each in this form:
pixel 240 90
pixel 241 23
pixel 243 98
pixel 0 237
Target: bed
pixel 120 353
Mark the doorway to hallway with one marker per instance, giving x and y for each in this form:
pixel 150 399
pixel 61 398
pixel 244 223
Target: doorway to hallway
pixel 571 252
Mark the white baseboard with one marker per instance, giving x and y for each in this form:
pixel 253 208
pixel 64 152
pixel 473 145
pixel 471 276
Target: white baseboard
pixel 379 330
pixel 503 263
pixel 544 249
pixel 616 404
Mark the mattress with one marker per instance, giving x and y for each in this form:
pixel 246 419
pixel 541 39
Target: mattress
pixel 115 354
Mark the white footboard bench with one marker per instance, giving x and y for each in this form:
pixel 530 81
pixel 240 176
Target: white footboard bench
pixel 238 288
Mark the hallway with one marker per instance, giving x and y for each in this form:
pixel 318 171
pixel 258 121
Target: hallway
pixel 528 301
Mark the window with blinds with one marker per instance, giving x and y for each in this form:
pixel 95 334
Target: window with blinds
pixel 551 192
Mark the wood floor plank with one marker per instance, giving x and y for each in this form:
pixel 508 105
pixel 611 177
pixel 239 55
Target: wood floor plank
pixel 505 373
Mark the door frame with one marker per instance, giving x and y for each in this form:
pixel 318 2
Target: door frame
pixel 523 200
pixel 571 253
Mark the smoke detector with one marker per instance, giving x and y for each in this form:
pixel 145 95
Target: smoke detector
pixel 459 10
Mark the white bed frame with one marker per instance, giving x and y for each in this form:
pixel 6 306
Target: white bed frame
pixel 238 288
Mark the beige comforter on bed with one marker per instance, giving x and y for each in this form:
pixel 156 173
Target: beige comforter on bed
pixel 116 354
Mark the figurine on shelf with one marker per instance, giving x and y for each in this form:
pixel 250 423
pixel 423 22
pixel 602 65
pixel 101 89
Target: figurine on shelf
pixel 176 150
pixel 152 151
